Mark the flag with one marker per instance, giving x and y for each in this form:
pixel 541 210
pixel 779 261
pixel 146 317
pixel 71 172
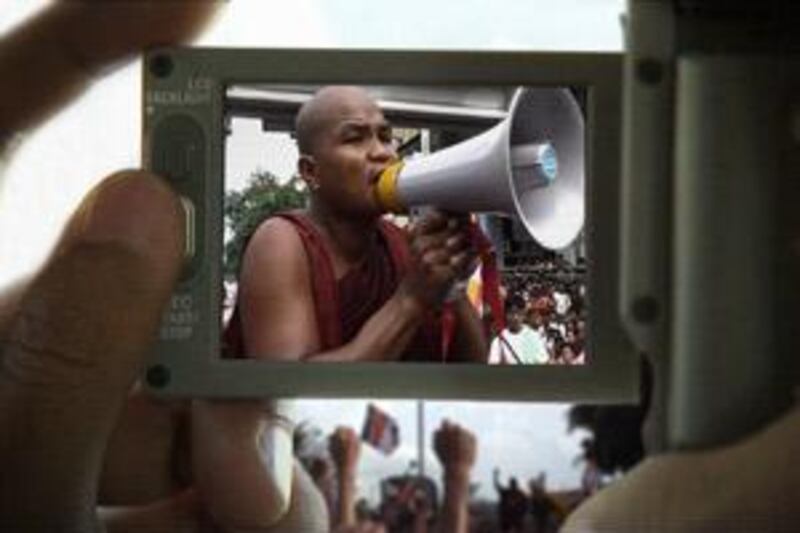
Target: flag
pixel 380 430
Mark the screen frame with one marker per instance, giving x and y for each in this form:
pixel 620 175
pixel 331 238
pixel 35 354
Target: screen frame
pixel 192 82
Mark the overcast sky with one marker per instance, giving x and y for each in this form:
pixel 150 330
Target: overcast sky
pixel 58 164
pixel 100 134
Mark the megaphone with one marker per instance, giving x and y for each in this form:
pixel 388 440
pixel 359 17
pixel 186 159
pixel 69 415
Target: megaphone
pixel 530 165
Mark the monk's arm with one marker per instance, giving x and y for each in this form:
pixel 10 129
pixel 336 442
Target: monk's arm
pixel 469 341
pixel 278 312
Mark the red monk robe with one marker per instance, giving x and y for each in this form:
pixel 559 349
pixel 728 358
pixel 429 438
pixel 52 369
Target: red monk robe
pixel 342 307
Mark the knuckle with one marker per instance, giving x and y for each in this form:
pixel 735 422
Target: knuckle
pixel 429 258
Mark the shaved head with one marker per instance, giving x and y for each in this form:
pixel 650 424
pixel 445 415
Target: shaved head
pixel 321 112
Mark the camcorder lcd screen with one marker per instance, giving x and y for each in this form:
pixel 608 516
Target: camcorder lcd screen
pixel 527 298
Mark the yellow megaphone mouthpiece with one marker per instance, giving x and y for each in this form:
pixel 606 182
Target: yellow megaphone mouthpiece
pixel 386 190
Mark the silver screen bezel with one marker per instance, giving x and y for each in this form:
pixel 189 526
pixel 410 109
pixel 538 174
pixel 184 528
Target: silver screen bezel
pixel 193 366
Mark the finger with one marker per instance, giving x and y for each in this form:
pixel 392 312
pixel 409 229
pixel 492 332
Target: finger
pixel 454 236
pixel 456 221
pixel 51 58
pixel 457 242
pixel 78 341
pixel 148 454
pixel 10 299
pixel 428 243
pixel 181 513
pixel 431 222
pixel 462 262
pixel 438 269
pixel 307 510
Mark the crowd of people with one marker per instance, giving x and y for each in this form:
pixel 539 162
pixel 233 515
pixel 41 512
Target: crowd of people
pixel 410 503
pixel 546 315
pixel 535 511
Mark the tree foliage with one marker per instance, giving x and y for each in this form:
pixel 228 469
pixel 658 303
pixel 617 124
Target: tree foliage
pixel 264 195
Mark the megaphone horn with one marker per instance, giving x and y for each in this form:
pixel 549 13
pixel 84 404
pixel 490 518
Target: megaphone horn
pixel 530 165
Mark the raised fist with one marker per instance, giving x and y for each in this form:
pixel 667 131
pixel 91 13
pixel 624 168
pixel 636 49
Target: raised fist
pixel 345 447
pixel 456 448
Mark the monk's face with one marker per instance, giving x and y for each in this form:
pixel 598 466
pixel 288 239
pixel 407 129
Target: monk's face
pixel 354 146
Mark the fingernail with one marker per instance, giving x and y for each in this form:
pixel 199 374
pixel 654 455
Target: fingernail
pixel 131 208
pixel 85 213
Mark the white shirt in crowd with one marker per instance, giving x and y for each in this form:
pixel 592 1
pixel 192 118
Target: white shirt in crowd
pixel 562 302
pixel 528 345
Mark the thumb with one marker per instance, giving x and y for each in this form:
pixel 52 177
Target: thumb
pixel 77 341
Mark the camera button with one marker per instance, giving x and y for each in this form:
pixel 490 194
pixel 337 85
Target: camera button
pixel 190 229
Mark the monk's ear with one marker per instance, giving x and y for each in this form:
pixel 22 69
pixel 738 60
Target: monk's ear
pixel 307 169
